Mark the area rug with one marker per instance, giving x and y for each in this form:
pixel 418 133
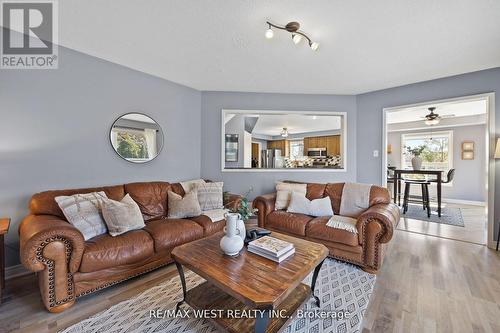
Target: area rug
pixel 340 287
pixel 449 215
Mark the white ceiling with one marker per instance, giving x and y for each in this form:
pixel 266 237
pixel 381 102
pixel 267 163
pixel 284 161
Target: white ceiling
pixel 219 44
pixel 455 109
pixel 273 124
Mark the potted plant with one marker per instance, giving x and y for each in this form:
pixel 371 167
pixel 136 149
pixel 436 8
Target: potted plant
pixel 241 207
pixel 416 161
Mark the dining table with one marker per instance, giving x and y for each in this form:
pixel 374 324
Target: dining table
pixel 436 174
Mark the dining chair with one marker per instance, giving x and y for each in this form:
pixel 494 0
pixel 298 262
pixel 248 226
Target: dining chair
pixel 449 177
pixel 424 186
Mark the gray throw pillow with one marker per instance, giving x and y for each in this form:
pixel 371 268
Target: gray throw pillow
pixel 122 216
pixel 182 207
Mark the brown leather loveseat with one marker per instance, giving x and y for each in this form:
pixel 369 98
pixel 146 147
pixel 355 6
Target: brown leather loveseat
pixel 69 267
pixel 375 225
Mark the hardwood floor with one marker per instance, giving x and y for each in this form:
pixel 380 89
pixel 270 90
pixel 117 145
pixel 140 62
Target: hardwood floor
pixel 474 230
pixel 427 284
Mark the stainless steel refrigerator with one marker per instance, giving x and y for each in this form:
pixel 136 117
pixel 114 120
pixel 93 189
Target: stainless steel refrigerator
pixel 271 158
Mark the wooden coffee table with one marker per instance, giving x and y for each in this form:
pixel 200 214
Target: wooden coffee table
pixel 249 282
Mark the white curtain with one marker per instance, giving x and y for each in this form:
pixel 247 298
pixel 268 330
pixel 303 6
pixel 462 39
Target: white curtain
pixel 114 139
pixel 150 135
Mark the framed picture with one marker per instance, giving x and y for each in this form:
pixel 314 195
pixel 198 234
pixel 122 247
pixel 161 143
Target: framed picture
pixel 231 145
pixel 467 155
pixel 467 146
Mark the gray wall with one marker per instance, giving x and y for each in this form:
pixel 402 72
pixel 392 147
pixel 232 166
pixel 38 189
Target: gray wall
pixel 264 182
pixel 370 105
pixel 54 130
pixel 468 183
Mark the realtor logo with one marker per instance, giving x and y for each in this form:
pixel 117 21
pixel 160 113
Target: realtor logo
pixel 29 35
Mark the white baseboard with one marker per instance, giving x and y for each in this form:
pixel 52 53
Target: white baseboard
pixel 465 202
pixel 15 271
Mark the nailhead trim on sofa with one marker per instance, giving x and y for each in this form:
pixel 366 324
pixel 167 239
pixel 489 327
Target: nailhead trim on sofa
pixel 118 281
pixel 51 269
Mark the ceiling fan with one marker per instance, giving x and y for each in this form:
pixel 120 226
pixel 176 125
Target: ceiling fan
pixel 434 118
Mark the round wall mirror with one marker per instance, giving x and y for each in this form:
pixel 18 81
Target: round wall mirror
pixel 136 137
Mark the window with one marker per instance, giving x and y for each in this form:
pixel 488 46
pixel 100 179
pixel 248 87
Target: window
pixel 296 149
pixel 437 150
pixel 134 145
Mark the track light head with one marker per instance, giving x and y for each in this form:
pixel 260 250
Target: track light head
pixel 296 38
pixel 269 33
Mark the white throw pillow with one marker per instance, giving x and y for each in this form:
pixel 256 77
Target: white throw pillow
pixel 190 185
pixel 182 207
pixel 84 212
pixel 210 195
pixel 284 192
pixel 317 207
pixel 122 216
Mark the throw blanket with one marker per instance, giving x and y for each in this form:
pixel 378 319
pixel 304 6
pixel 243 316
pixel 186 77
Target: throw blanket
pixel 355 199
pixel 215 215
pixel 343 222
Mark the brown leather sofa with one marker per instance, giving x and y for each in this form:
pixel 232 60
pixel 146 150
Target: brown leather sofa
pixel 366 249
pixel 69 267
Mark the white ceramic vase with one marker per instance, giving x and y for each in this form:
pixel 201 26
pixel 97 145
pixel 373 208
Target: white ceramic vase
pixel 416 163
pixel 240 225
pixel 232 242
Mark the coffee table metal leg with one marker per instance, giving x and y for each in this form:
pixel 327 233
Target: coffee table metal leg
pixel 183 282
pixel 313 283
pixel 261 320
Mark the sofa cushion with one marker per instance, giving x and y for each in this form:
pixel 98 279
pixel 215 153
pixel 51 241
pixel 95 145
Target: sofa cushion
pixel 43 203
pixel 292 223
pixel 315 191
pixel 334 191
pixel 209 227
pixel 151 198
pixel 318 229
pixel 168 233
pixel 105 251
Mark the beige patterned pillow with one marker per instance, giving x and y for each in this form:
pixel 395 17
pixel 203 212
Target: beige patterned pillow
pixel 210 195
pixel 122 216
pixel 84 212
pixel 182 207
pixel 284 192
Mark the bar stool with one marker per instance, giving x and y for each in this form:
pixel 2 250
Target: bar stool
pixel 424 186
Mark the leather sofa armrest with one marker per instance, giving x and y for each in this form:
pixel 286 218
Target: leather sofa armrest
pixel 232 201
pixel 36 232
pixel 386 215
pixel 265 205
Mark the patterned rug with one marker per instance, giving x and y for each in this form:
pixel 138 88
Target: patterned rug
pixel 340 287
pixel 449 215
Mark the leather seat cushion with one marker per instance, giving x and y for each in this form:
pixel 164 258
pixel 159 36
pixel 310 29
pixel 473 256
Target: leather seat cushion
pixel 318 229
pixel 168 233
pixel 105 251
pixel 293 223
pixel 209 227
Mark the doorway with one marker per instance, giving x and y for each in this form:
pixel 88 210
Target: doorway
pixel 460 138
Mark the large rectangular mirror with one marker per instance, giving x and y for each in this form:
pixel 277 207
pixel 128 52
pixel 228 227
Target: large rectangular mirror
pixel 283 141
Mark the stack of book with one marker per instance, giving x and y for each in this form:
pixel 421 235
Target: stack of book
pixel 271 248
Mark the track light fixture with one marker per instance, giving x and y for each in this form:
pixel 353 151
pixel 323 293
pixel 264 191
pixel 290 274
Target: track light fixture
pixel 293 28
